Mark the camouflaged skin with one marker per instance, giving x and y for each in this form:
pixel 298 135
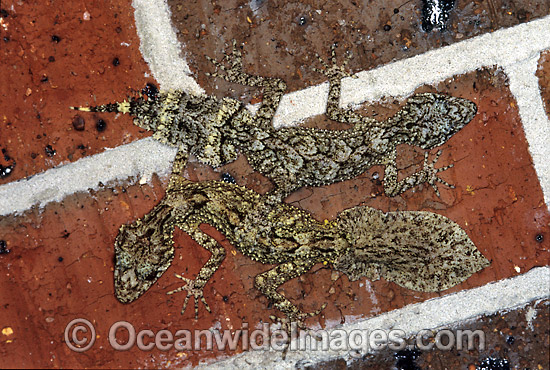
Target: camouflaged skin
pixel 215 131
pixel 418 250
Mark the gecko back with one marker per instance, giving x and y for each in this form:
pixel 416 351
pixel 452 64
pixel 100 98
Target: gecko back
pixel 217 130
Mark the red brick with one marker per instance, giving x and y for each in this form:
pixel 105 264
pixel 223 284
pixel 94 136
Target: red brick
pixel 498 201
pixel 275 44
pixel 34 110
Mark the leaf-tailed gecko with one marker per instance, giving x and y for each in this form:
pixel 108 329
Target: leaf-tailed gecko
pixel 217 130
pixel 416 249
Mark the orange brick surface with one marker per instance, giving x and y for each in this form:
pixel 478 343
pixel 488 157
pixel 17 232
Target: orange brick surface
pixel 57 56
pixel 60 265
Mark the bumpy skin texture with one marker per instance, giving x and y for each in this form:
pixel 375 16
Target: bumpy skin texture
pixel 418 250
pixel 217 130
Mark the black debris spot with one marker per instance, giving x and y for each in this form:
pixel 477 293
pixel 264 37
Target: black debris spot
pixel 65 234
pixel 225 298
pixel 226 177
pixel 510 340
pixel 4 13
pixel 522 15
pixel 100 125
pixel 5 154
pixel 539 238
pixel 116 62
pixel 406 359
pixel 60 259
pixel 302 21
pixel 491 363
pixel 118 30
pixel 56 38
pixel 34 155
pixel 51 59
pixel 5 171
pixel 44 79
pixel 387 27
pixel 50 152
pixel 6 39
pixel 395 11
pixel 150 90
pixel 81 147
pixel 4 247
pixel 78 123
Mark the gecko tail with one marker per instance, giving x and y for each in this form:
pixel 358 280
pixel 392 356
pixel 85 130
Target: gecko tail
pixel 82 109
pixel 123 107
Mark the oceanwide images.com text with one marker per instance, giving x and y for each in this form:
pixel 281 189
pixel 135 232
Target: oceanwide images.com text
pixel 80 336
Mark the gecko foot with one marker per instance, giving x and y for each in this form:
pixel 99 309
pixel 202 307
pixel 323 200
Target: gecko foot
pixel 431 172
pixel 232 65
pixel 296 320
pixel 192 291
pixel 234 60
pixel 331 69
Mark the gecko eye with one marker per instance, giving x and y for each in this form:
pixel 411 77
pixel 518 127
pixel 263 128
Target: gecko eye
pixel 123 259
pixel 146 272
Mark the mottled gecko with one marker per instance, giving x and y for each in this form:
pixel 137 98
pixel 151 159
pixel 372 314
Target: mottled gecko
pixel 216 130
pixel 418 250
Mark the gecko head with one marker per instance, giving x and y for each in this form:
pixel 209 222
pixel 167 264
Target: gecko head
pixel 429 120
pixel 143 251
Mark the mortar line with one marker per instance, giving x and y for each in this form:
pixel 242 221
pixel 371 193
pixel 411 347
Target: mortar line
pixel 161 49
pixel 141 158
pixel 524 87
pixel 431 314
pixel 509 48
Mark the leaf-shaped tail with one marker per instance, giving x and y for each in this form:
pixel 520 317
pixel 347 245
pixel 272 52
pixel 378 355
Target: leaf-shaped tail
pixel 418 250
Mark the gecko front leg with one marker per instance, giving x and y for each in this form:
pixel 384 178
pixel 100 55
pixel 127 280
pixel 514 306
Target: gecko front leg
pixel 428 174
pixel 194 288
pixel 269 281
pixel 335 73
pixel 274 88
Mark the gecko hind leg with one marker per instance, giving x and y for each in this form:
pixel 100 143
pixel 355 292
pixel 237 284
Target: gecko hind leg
pixel 194 288
pixel 178 167
pixel 269 281
pixel 274 88
pixel 234 72
pixel 428 174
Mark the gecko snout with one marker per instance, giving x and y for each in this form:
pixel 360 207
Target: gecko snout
pixel 432 119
